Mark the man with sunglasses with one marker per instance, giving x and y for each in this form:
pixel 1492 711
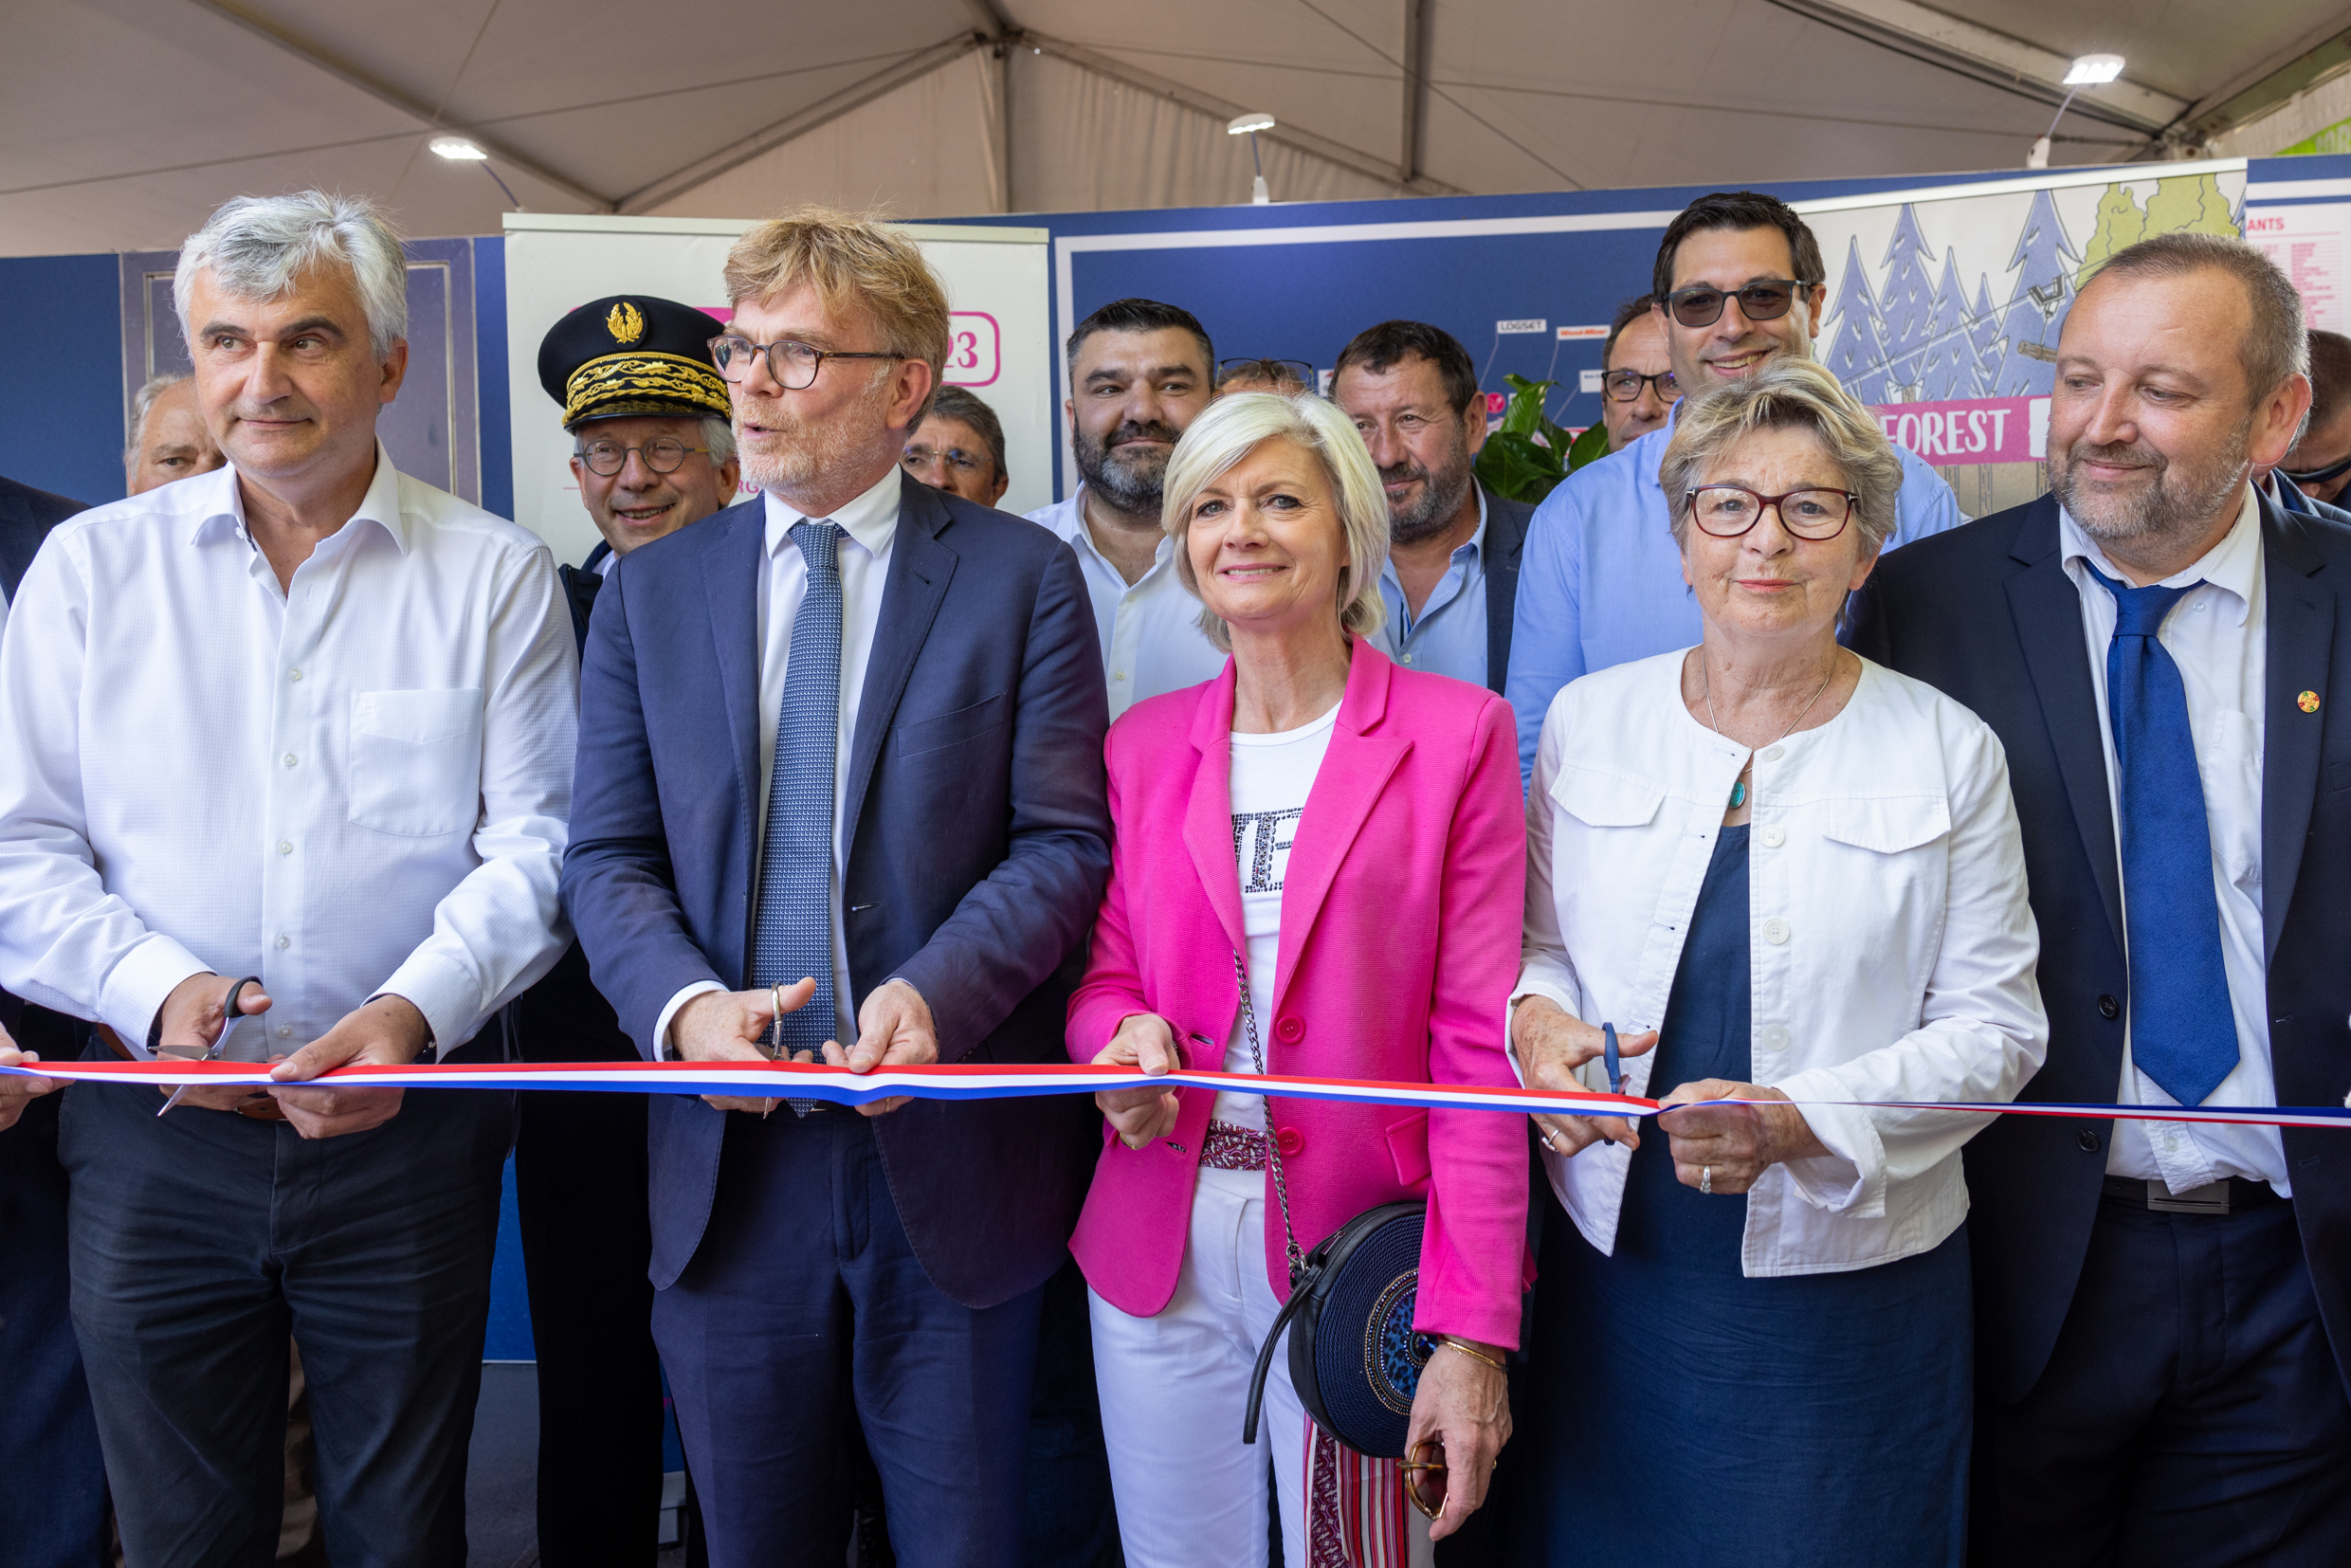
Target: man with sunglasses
pixel 2316 473
pixel 1738 281
pixel 1638 388
pixel 652 451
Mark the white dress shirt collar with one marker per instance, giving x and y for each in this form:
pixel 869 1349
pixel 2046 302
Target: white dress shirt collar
pixel 2232 566
pixel 871 520
pixel 220 512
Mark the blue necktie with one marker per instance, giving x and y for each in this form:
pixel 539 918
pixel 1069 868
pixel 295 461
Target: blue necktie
pixel 792 938
pixel 2183 1032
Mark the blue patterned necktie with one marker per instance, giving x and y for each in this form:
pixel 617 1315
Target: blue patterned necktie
pixel 2182 1030
pixel 793 939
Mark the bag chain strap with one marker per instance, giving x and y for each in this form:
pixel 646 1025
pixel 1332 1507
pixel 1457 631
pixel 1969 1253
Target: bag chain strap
pixel 1273 1144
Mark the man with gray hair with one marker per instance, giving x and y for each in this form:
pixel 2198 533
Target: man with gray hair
pixel 167 439
pixel 2162 1307
pixel 292 761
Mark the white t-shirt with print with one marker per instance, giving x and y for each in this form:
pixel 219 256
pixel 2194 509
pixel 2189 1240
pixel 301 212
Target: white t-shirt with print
pixel 1272 775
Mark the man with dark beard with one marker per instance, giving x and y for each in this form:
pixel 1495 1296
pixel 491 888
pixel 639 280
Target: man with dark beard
pixel 1139 373
pixel 1452 571
pixel 2162 1307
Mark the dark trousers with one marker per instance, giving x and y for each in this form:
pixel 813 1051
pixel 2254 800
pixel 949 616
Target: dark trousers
pixel 203 1238
pixel 2192 1413
pixel 53 1513
pixel 580 1187
pixel 1071 1521
pixel 804 1304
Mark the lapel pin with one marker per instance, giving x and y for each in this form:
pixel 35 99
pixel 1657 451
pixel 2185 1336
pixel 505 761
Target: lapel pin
pixel 2307 701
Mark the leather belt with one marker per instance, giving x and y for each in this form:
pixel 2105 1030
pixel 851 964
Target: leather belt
pixel 2217 1197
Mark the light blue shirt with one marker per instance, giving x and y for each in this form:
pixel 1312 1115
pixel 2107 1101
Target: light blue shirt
pixel 1600 578
pixel 1448 635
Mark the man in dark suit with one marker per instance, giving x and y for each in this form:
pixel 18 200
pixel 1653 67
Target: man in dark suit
pixel 2164 1307
pixel 653 453
pixel 843 782
pixel 1452 573
pixel 46 1428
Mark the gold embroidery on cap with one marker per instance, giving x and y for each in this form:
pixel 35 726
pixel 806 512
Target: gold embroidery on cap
pixel 625 322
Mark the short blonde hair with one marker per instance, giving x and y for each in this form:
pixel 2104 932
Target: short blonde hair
pixel 1230 429
pixel 851 261
pixel 1790 392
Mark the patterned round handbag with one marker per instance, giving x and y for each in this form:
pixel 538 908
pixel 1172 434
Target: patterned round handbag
pixel 1354 1357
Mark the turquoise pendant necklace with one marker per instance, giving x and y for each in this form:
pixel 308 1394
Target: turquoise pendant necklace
pixel 1739 786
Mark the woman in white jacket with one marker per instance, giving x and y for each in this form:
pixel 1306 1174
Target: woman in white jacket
pixel 1783 874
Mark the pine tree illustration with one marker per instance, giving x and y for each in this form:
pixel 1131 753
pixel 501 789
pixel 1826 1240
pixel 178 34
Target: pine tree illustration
pixel 1985 336
pixel 1947 363
pixel 1906 304
pixel 1856 353
pixel 2037 304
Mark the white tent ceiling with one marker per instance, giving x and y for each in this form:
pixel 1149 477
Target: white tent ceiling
pixel 123 122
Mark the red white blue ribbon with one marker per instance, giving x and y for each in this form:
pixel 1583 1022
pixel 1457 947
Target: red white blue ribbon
pixel 817 1080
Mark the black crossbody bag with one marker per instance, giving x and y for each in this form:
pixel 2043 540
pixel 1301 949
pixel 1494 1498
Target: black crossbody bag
pixel 1354 1357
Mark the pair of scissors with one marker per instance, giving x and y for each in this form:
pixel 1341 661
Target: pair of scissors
pixel 228 1022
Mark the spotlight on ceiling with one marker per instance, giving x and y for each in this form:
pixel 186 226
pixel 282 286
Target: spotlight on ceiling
pixel 2090 70
pixel 1241 125
pixel 457 149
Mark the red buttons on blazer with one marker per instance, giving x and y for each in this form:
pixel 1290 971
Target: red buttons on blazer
pixel 1290 1030
pixel 1289 1139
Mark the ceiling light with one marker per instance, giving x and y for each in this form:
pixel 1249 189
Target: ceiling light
pixel 1241 125
pixel 2091 69
pixel 457 149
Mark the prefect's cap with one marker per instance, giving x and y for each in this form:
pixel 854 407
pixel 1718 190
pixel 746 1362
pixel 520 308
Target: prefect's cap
pixel 632 353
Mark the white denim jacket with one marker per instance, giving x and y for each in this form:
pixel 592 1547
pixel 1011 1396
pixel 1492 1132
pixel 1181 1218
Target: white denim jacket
pixel 1892 949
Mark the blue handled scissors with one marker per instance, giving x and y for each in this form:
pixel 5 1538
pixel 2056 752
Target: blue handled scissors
pixel 1607 1037
pixel 228 1022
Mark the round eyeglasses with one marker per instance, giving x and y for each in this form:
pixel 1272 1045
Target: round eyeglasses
pixel 1765 300
pixel 1624 386
pixel 791 365
pixel 663 454
pixel 1726 511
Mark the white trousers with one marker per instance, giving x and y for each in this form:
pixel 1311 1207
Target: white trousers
pixel 1174 1388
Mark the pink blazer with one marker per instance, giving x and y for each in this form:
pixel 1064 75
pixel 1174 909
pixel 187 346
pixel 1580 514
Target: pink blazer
pixel 1399 945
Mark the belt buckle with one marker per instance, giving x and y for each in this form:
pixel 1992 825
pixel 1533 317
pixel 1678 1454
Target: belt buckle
pixel 2211 1198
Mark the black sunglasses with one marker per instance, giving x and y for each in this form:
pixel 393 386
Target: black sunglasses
pixel 1765 300
pixel 2319 476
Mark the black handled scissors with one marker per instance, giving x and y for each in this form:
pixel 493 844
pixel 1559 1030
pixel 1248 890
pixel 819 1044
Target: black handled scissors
pixel 228 1021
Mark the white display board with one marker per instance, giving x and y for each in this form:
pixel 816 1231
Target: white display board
pixel 554 262
pixel 2312 242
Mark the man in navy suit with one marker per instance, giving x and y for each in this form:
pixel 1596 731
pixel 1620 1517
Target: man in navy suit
pixel 2164 1307
pixel 842 782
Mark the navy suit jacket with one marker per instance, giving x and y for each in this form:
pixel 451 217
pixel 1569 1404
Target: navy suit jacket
pixel 1506 537
pixel 26 516
pixel 1987 615
pixel 978 841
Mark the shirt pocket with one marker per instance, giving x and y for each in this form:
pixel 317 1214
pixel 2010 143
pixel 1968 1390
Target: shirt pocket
pixel 1600 799
pixel 416 761
pixel 1874 895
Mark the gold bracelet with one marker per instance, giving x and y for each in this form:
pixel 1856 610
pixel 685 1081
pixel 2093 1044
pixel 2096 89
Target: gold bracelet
pixel 1450 1342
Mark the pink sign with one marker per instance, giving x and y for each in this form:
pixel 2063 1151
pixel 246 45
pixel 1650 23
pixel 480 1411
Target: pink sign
pixel 1981 429
pixel 975 350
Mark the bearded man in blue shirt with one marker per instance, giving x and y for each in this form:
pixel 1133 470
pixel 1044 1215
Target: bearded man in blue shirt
pixel 1739 279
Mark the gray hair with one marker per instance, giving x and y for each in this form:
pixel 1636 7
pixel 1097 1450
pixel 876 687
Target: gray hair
pixel 144 404
pixel 719 439
pixel 1788 394
pixel 1230 429
pixel 2276 344
pixel 257 246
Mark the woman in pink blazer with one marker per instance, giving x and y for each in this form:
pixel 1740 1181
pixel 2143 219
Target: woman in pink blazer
pixel 1354 832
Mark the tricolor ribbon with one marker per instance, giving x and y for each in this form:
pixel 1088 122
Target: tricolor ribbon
pixel 817 1080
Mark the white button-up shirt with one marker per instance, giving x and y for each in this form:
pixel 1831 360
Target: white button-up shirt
pixel 2218 635
pixel 870 524
pixel 354 785
pixel 1150 635
pixel 1893 950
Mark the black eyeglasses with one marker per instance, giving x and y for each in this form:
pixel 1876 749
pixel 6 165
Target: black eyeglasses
pixel 793 365
pixel 953 457
pixel 663 454
pixel 1765 300
pixel 2319 476
pixel 1624 386
pixel 1276 370
pixel 1726 511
